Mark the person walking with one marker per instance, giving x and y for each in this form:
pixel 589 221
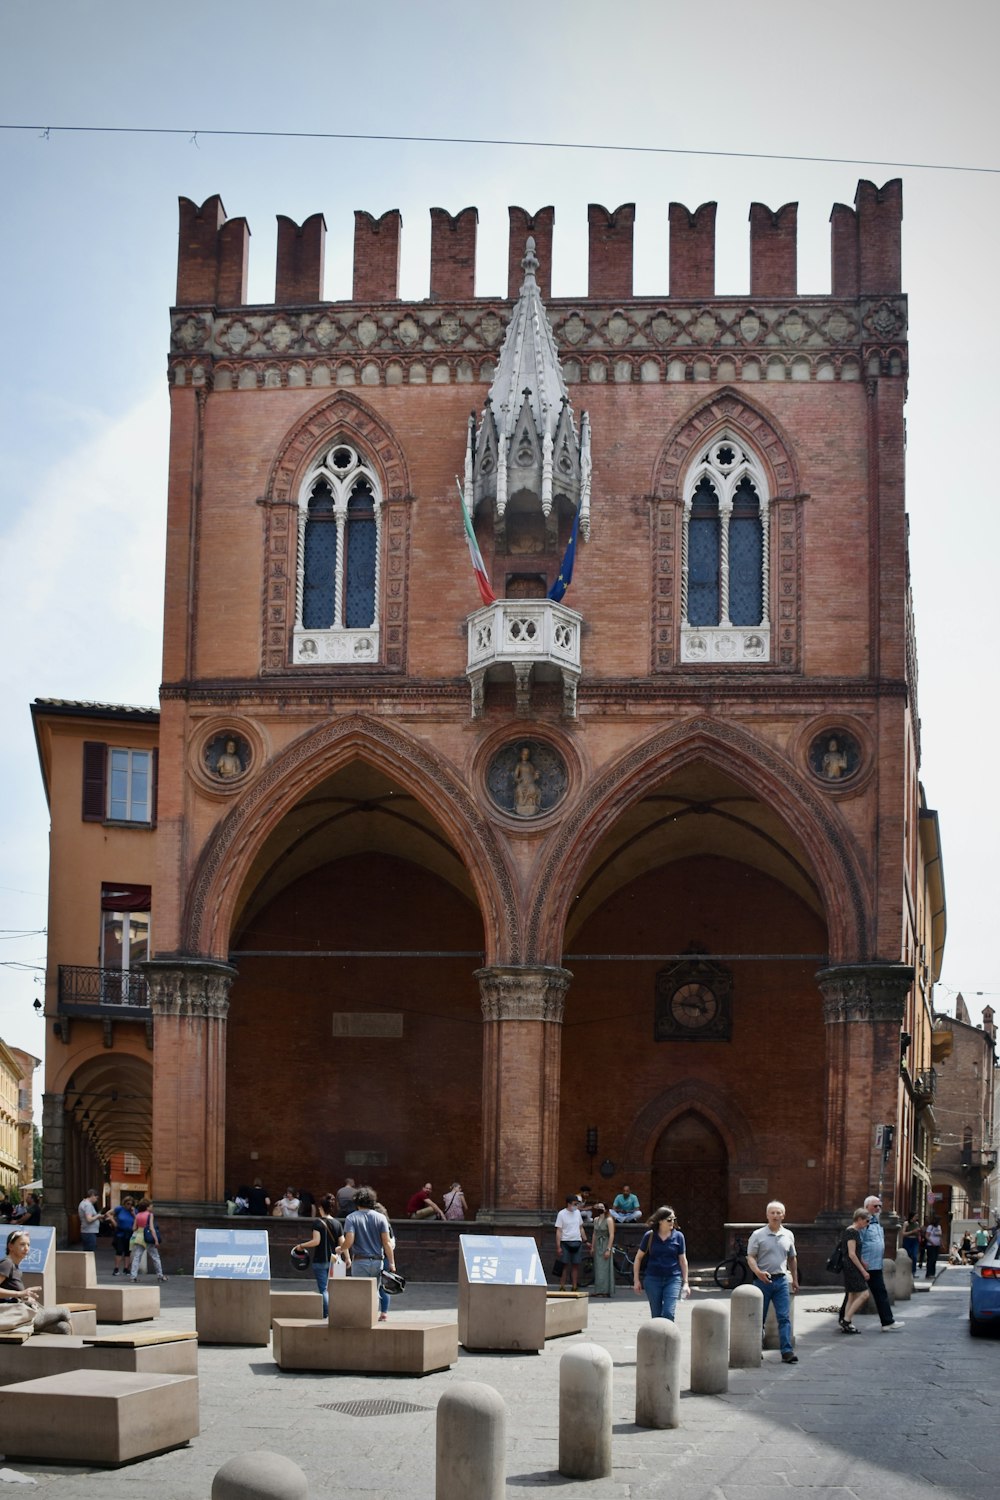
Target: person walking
pixel 145 1237
pixel 367 1237
pixel 932 1239
pixel 326 1243
pixel 772 1259
pixel 911 1239
pixel 856 1273
pixel 872 1252
pixel 664 1250
pixel 123 1222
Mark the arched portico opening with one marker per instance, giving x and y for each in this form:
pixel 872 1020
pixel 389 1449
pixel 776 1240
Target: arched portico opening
pixel 354 1031
pixel 695 930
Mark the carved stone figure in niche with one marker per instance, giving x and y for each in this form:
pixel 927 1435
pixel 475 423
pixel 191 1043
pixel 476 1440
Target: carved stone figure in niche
pixel 227 756
pixel 526 778
pixel 834 756
pixel 527 794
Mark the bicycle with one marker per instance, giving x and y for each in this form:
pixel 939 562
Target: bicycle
pixel 734 1270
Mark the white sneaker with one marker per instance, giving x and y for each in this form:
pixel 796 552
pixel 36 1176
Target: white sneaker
pixel 890 1327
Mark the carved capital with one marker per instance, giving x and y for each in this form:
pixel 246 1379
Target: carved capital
pixel 523 994
pixel 189 987
pixel 864 992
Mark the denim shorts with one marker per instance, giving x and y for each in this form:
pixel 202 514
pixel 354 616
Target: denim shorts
pixel 571 1253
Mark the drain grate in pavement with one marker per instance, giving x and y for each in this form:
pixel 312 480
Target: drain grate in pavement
pixel 372 1408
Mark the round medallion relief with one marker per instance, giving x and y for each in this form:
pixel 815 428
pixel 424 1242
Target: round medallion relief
pixel 227 756
pixel 834 756
pixel 526 778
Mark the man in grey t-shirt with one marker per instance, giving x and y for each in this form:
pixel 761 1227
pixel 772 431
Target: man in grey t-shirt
pixel 772 1259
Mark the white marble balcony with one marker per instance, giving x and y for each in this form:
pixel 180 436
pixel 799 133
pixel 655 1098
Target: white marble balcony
pixel 530 638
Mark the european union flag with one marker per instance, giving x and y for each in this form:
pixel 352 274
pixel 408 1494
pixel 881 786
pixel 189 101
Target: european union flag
pixel 565 577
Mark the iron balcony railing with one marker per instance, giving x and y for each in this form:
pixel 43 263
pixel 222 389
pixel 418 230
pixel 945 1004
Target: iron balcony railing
pixel 925 1084
pixel 101 990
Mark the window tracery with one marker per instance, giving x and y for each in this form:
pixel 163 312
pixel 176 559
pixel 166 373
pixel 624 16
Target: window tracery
pixel 338 582
pixel 725 556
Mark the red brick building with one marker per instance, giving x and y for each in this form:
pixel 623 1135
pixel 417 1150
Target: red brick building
pixel 625 886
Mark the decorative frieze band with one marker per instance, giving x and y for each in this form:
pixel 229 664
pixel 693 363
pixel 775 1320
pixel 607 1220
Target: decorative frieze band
pixel 189 987
pixel 342 344
pixel 865 992
pixel 523 994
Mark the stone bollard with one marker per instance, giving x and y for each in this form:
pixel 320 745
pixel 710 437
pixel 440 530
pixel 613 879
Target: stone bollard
pixel 710 1348
pixel 658 1374
pixel 745 1310
pixel 260 1476
pixel 772 1339
pixel 904 1276
pixel 471 1443
pixel 585 1413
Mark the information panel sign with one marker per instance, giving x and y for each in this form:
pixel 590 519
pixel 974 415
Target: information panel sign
pixel 232 1254
pixel 41 1245
pixel 501 1260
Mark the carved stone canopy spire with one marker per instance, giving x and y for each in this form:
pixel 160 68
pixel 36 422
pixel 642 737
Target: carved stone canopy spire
pixel 526 445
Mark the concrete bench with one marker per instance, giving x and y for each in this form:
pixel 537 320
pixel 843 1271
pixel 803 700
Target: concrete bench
pixel 82 1316
pixel 76 1278
pixel 300 1304
pixel 353 1339
pixel 53 1354
pixel 565 1312
pixel 98 1416
pixel 233 1312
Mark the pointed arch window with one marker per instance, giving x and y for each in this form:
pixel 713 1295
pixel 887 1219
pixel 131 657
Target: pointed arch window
pixel 725 605
pixel 340 527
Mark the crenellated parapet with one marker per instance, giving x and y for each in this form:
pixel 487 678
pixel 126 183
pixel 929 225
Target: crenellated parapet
pixel 610 336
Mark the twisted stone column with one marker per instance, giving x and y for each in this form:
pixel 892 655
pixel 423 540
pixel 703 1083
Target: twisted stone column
pixel 522 1057
pixel 189 998
pixel 863 1006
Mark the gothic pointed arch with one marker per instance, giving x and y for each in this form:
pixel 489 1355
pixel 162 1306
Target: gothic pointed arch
pixel 839 867
pixel 229 853
pixel 728 413
pixel 345 419
pixel 702 1098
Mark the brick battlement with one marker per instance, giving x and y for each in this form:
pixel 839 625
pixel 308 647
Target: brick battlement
pixel 865 252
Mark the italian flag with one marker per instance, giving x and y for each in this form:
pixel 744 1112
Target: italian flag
pixel 478 566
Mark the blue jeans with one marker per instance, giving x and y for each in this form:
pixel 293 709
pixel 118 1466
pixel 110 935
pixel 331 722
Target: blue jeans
pixel 322 1274
pixel 778 1291
pixel 662 1293
pixel 88 1241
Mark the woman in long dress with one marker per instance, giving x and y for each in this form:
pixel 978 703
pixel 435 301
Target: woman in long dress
pixel 603 1250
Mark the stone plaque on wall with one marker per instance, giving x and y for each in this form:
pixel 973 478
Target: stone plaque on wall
pixel 368 1023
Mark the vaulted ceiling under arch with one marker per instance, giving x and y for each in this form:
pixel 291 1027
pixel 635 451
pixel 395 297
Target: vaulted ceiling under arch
pixel 699 811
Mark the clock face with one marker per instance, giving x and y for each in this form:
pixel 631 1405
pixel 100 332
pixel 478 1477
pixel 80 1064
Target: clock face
pixel 694 1006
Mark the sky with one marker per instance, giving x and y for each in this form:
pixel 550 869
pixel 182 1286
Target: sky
pixel 88 261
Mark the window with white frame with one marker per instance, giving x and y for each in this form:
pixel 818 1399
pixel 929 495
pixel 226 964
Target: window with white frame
pixel 125 914
pixel 339 536
pixel 119 784
pixel 725 556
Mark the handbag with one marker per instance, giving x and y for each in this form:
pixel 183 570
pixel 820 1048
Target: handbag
pixel 835 1261
pixel 558 1266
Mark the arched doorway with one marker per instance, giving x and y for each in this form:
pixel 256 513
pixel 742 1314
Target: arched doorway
pixel 690 1171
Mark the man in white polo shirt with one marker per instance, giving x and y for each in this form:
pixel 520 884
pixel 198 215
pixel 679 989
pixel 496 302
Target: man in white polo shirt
pixel 771 1257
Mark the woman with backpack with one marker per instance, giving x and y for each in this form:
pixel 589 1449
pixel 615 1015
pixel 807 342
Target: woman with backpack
pixel 855 1271
pixel 145 1237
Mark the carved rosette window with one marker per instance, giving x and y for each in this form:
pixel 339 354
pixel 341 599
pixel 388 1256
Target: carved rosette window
pixel 338 583
pixel 725 557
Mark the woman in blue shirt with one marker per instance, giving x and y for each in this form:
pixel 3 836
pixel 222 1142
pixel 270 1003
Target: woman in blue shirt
pixel 664 1251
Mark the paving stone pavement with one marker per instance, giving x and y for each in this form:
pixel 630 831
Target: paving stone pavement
pixel 912 1414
